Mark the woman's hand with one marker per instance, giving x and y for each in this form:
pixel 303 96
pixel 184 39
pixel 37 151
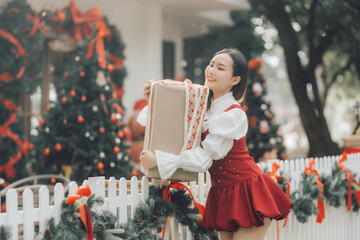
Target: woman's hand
pixel 146 91
pixel 148 159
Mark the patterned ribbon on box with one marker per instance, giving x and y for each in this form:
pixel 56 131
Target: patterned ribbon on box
pixel 196 99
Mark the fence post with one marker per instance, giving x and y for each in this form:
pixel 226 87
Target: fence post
pixel 28 217
pixel 12 212
pixel 44 213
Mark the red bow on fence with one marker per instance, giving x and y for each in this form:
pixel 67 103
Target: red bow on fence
pixel 349 176
pixel 320 202
pixel 166 195
pixel 83 208
pixel 275 168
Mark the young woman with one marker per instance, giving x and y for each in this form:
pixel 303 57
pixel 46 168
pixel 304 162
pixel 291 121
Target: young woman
pixel 242 199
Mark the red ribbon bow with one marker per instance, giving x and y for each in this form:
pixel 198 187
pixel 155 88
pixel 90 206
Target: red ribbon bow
pixel 349 176
pixel 166 195
pixel 103 31
pixel 83 21
pixel 83 209
pixel 320 202
pixel 37 24
pixel 275 168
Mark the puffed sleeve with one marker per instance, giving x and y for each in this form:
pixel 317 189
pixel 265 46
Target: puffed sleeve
pixel 223 129
pixel 142 117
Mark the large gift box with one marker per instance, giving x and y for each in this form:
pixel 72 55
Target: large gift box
pixel 176 112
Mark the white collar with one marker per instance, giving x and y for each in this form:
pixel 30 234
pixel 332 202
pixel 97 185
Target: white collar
pixel 220 104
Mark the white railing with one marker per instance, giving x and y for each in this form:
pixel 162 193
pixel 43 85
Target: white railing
pixel 122 197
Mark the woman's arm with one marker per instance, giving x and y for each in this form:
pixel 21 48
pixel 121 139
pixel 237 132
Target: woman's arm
pixel 223 129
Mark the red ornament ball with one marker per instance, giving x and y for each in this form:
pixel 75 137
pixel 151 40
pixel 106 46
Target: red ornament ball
pixel 42 121
pixel 113 117
pixel 110 67
pixel 100 166
pixel 72 93
pixel 46 151
pixel 82 74
pixel 120 134
pixel 53 180
pixel 58 147
pixel 116 149
pixel 66 74
pixel 83 99
pixel 31 146
pixel 65 121
pixel 47 109
pixel 80 119
pixel 101 130
pixel 63 100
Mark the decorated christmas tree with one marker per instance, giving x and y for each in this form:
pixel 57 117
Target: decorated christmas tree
pixel 263 133
pixel 21 34
pixel 83 134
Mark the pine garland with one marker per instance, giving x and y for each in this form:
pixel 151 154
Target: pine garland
pixel 149 220
pixel 304 204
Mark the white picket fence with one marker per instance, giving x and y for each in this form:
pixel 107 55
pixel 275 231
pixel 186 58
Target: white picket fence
pixel 122 198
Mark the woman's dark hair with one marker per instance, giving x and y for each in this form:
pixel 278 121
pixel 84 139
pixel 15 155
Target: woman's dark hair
pixel 240 68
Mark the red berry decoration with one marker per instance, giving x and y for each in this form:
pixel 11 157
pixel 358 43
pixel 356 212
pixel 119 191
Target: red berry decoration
pixel 58 147
pixel 116 149
pixel 72 93
pixel 82 74
pixel 100 166
pixel 101 130
pixel 113 117
pixel 80 119
pixel 83 99
pixel 63 100
pixel 46 151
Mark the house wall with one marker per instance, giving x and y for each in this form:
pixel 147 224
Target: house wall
pixel 140 24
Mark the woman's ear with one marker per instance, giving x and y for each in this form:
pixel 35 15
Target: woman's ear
pixel 236 80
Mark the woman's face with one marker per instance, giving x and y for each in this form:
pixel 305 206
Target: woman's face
pixel 219 75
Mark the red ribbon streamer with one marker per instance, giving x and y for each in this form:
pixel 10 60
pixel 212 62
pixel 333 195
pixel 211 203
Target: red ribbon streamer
pixel 166 195
pixel 103 31
pixel 118 62
pixel 37 24
pixel 321 206
pixel 275 168
pixel 83 21
pixel 349 176
pixel 8 36
pixel 83 209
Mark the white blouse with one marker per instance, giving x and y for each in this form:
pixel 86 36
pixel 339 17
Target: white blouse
pixel 224 127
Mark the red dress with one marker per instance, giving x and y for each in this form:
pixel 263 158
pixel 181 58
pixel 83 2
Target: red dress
pixel 241 195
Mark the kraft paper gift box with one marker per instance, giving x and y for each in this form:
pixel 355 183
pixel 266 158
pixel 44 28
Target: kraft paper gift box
pixel 352 141
pixel 165 127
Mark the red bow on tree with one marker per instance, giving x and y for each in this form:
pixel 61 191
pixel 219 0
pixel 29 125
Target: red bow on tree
pixel 83 21
pixel 103 31
pixel 83 191
pixel 37 24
